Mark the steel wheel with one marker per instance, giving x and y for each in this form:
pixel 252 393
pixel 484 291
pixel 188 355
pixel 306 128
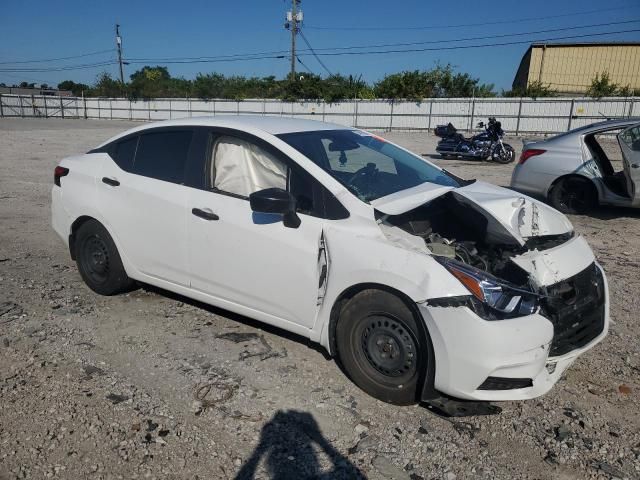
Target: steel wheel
pixel 383 347
pixel 389 347
pixel 98 260
pixel 95 258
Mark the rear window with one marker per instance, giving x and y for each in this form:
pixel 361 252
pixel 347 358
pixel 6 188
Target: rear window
pixel 163 155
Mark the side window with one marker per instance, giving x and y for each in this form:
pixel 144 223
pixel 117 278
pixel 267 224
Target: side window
pixel 163 155
pixel 241 168
pixel 632 138
pixel 124 152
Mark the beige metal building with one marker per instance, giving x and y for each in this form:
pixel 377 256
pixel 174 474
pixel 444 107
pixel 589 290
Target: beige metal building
pixel 569 68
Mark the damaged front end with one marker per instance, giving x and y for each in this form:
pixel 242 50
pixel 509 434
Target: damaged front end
pixel 519 260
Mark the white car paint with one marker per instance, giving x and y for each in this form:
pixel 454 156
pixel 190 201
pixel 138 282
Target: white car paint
pixel 263 270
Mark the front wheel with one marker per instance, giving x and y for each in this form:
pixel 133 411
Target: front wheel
pixel 503 154
pixel 380 346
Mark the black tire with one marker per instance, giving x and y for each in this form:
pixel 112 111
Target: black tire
pixel 502 157
pixel 446 156
pixel 574 195
pixel 381 347
pixel 98 260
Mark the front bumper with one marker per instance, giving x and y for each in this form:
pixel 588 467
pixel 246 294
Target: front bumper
pixel 469 349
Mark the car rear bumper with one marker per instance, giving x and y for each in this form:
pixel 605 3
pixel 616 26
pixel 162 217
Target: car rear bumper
pixel 60 219
pixel 514 352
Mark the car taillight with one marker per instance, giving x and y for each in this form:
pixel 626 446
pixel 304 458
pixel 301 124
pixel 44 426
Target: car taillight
pixel 58 173
pixel 527 154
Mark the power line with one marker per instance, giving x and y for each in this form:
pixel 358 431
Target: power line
pixel 60 69
pixel 57 59
pixel 462 47
pixel 279 52
pixel 314 53
pixel 504 35
pixel 304 65
pixel 251 57
pixel 216 60
pixel 481 24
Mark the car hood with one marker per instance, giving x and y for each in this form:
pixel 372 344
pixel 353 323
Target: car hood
pixel 516 215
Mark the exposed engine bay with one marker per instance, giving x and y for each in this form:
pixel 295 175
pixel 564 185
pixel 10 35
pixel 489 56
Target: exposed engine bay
pixel 457 230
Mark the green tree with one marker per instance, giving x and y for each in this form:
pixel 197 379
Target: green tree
pixel 106 86
pixel 534 90
pixel 78 89
pixel 602 86
pixel 150 82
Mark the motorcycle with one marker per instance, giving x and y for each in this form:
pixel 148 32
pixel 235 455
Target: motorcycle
pixel 487 145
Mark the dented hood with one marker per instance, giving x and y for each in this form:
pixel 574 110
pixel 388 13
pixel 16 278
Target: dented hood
pixel 510 212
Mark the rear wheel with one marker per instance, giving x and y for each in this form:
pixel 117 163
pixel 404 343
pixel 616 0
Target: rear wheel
pixel 98 260
pixel 573 195
pixel 380 346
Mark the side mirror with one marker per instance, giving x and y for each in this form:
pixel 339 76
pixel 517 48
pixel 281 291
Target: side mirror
pixel 276 200
pixel 481 124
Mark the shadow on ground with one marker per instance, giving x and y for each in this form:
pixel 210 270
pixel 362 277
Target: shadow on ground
pixel 289 446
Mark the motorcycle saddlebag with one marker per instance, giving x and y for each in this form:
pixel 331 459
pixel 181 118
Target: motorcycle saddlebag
pixel 443 131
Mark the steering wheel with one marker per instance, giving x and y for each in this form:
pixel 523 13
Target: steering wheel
pixel 365 174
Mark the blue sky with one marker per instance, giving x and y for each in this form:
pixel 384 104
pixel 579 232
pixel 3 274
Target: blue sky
pixel 158 29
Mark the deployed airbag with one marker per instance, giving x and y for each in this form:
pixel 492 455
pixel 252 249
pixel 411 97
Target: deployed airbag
pixel 243 168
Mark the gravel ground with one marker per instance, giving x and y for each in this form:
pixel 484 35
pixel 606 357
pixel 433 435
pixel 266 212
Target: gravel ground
pixel 152 385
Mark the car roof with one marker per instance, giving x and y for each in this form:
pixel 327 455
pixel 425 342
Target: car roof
pixel 272 125
pixel 569 138
pixel 612 124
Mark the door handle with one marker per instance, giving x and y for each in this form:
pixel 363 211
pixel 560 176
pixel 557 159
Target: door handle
pixel 110 181
pixel 635 165
pixel 206 214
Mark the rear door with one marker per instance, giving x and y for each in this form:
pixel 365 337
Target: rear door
pixel 629 140
pixel 143 199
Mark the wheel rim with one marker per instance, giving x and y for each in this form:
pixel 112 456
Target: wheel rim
pixel 573 196
pixel 95 259
pixel 389 347
pixel 503 156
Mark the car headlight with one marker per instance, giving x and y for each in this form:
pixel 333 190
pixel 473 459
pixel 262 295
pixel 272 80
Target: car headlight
pixel 491 298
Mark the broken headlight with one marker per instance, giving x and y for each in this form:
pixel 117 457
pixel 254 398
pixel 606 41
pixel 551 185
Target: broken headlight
pixel 491 298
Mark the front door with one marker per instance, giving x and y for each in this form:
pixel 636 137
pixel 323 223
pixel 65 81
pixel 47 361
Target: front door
pixel 629 140
pixel 250 259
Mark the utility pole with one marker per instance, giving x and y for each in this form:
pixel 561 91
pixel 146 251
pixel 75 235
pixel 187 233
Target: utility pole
pixel 119 46
pixel 293 19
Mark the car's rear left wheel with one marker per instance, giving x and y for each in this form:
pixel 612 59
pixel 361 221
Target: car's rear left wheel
pixel 573 195
pixel 380 346
pixel 98 260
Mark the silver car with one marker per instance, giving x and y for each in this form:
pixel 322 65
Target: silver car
pixel 576 171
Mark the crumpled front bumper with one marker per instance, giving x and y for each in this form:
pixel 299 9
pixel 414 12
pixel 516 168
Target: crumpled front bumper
pixel 469 349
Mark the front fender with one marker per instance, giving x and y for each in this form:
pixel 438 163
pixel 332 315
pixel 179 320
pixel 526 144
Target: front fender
pixel 359 258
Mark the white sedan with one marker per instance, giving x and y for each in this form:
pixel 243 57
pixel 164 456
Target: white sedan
pixel 422 284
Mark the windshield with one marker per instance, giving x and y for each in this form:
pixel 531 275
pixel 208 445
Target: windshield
pixel 365 164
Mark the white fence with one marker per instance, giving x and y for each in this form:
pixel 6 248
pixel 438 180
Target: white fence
pixel 518 115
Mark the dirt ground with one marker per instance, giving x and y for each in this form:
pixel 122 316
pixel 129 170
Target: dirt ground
pixel 151 385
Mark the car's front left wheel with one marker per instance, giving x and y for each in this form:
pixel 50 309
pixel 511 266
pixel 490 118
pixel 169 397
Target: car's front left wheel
pixel 98 260
pixel 381 347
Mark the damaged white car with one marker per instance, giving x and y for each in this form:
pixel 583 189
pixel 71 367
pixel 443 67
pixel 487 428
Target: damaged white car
pixel 425 286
